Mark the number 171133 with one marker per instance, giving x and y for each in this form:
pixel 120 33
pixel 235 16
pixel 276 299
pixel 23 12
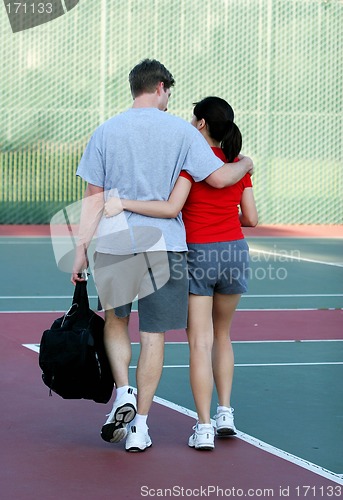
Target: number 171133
pixel 29 8
pixel 318 491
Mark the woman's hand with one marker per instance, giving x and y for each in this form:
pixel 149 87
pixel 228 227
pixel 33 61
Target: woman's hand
pixel 113 206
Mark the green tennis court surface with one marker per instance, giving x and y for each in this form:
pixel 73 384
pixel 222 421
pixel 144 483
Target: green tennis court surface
pixel 286 273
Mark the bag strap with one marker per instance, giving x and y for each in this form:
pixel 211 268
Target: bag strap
pixel 80 296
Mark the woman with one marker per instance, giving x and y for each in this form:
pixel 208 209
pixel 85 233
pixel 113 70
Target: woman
pixel 218 263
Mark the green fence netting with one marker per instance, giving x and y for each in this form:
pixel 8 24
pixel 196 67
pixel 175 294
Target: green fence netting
pixel 278 62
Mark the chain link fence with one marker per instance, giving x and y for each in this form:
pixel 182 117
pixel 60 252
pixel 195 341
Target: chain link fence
pixel 278 62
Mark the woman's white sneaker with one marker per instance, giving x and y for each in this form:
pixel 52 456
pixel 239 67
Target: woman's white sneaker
pixel 203 437
pixel 225 423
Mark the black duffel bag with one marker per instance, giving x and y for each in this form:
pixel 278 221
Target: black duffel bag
pixel 72 353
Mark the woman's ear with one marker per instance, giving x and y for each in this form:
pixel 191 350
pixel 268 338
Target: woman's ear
pixel 201 124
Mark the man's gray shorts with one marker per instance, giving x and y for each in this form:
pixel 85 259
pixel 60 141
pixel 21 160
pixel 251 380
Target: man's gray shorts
pixel 221 267
pixel 158 279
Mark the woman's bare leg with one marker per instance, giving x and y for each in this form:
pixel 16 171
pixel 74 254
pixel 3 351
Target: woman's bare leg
pixel 224 307
pixel 200 338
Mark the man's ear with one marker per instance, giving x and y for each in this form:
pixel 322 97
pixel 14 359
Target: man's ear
pixel 160 88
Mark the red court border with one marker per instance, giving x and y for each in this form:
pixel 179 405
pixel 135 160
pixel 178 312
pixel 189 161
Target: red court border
pixel 276 231
pixel 251 326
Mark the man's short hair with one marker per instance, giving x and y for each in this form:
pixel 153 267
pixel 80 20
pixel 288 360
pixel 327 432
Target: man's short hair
pixel 146 75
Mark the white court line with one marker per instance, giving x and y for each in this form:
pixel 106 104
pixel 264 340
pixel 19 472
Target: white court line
pixel 47 240
pixel 298 309
pixel 28 297
pixel 305 464
pixel 283 341
pixel 257 365
pixel 287 256
pixel 35 348
pixel 25 242
pixel 262 341
pixel 32 347
pixel 246 296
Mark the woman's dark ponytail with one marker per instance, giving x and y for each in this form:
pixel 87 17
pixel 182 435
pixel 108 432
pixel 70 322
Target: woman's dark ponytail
pixel 219 116
pixel 231 143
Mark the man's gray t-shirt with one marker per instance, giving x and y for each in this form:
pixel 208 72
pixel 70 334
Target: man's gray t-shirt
pixel 139 155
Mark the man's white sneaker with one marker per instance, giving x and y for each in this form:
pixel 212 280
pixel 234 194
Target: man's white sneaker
pixel 224 423
pixel 137 439
pixel 123 411
pixel 203 437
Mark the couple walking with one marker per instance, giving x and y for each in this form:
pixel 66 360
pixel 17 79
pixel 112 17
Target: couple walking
pixel 142 167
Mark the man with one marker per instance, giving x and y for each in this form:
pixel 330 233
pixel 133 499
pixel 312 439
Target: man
pixel 139 154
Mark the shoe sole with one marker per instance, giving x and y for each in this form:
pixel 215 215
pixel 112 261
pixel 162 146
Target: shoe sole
pixel 204 446
pixel 116 430
pixel 225 432
pixel 137 449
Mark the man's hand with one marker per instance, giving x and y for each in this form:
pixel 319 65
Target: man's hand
pixel 250 165
pixel 230 173
pixel 80 264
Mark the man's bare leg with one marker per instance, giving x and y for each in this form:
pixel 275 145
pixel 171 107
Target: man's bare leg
pixel 149 370
pixel 118 348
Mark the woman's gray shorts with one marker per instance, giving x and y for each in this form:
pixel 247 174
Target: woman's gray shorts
pixel 159 281
pixel 221 267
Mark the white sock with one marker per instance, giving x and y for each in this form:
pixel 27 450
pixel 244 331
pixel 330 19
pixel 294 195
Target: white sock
pixel 121 390
pixel 140 421
pixel 223 408
pixel 204 425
